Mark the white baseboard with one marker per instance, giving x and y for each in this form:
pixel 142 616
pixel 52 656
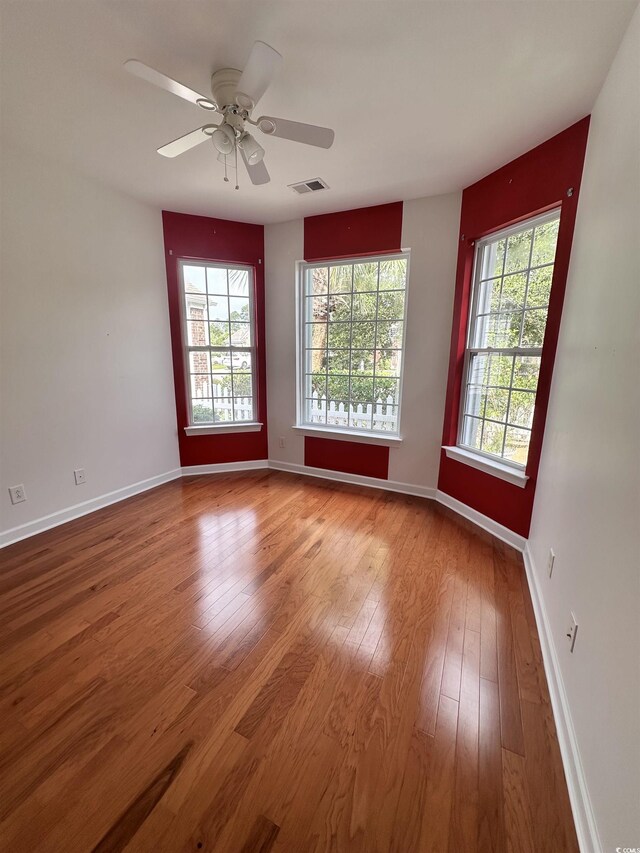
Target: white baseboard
pixel 225 467
pixel 54 519
pixel 498 530
pixel 354 479
pixel 583 816
pixel 15 534
pixel 46 522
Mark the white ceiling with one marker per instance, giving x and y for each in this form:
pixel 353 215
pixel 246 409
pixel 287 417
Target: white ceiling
pixel 425 97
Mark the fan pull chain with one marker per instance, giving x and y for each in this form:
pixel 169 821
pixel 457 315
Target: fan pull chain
pixel 225 169
pixel 235 149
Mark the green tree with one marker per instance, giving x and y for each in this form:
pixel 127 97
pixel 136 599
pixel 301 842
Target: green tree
pixel 357 312
pixel 237 325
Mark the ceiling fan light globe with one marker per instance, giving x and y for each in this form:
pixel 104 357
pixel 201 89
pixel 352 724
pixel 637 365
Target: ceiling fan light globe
pixel 224 139
pixel 253 151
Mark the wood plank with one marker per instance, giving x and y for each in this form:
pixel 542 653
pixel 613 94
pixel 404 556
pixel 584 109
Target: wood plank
pixel 262 836
pixel 491 819
pixel 434 836
pixel 517 811
pixel 132 819
pixel 407 826
pixel 510 714
pixel 463 833
pixel 488 637
pixel 547 792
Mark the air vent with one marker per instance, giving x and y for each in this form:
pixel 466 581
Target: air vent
pixel 311 186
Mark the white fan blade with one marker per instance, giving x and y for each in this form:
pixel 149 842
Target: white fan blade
pixel 309 134
pixel 258 174
pixel 261 66
pixel 138 68
pixel 184 143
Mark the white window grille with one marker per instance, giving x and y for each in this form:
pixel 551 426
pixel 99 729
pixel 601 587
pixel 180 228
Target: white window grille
pixel 352 317
pixel 219 339
pixel 512 285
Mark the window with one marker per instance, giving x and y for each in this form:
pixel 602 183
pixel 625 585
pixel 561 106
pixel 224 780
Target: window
pixel 352 332
pixel 220 342
pixel 512 285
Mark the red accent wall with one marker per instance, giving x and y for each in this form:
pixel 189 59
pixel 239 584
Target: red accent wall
pixel 370 460
pixel 535 182
pixel 203 238
pixel 364 231
pixel 347 234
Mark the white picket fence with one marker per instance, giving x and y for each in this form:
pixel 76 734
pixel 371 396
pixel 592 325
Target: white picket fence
pixel 385 418
pixel 223 405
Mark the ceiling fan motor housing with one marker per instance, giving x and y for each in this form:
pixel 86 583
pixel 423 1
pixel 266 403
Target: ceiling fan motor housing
pixel 224 84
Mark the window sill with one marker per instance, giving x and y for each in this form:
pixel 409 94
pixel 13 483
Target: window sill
pixel 496 469
pixel 346 435
pixel 218 429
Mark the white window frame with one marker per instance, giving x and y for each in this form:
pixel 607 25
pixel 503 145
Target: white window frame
pixel 506 469
pixel 203 428
pixel 337 432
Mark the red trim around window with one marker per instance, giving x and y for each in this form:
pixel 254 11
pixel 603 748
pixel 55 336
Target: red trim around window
pixel 202 238
pixel 543 178
pixel 353 233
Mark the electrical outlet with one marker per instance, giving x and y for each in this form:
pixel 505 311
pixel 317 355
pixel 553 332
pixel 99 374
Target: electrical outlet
pixel 550 561
pixel 17 494
pixel 80 476
pixel 281 441
pixel 572 631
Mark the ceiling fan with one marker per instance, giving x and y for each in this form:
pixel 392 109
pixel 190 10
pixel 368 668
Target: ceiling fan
pixel 235 95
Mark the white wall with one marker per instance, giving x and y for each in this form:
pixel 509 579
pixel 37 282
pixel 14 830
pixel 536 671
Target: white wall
pixel 86 378
pixel 587 502
pixel 430 227
pixel 283 246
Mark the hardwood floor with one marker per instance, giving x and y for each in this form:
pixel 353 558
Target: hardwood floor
pixel 263 662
